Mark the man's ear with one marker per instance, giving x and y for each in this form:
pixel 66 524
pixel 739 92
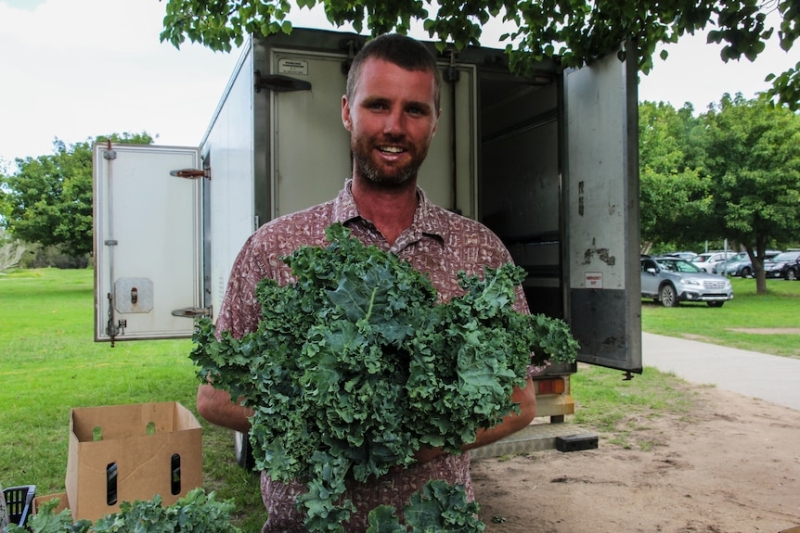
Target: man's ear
pixel 346 119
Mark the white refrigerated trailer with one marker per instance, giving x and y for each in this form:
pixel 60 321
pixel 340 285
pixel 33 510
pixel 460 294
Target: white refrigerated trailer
pixel 549 162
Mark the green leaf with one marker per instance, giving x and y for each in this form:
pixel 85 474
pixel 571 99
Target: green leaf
pixel 440 508
pixel 383 520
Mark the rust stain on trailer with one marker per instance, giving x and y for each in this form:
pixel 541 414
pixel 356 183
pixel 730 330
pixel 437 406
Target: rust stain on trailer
pixel 601 253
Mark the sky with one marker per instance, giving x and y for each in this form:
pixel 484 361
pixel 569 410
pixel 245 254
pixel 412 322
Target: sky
pixel 76 69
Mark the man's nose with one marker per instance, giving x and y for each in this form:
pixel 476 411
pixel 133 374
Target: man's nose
pixel 395 123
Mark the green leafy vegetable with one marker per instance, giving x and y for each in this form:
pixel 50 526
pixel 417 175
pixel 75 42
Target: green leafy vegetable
pixel 194 513
pixel 438 508
pixel 46 521
pixel 355 366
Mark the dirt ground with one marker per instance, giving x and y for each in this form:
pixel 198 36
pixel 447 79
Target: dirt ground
pixel 732 466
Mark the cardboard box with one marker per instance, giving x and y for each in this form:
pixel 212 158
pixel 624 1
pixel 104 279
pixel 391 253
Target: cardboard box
pixel 131 452
pixel 63 502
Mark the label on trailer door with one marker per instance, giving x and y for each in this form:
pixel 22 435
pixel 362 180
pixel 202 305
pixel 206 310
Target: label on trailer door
pixel 147 241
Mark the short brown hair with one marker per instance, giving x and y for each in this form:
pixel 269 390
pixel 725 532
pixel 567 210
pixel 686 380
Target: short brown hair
pixel 400 50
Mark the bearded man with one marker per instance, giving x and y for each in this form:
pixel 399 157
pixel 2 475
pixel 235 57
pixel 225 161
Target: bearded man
pixel 391 109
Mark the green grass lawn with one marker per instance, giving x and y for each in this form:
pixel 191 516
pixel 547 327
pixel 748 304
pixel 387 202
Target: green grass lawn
pixel 767 323
pixel 49 364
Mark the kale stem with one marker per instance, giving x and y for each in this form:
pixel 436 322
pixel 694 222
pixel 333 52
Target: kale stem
pixel 371 303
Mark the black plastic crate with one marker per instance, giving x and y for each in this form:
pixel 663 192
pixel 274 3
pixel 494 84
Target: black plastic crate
pixel 18 502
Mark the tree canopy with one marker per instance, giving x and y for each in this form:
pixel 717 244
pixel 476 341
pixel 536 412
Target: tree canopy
pixel 49 198
pixel 575 31
pixel 755 166
pixel 732 172
pixel 668 175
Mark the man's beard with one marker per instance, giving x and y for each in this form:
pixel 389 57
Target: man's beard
pixel 390 178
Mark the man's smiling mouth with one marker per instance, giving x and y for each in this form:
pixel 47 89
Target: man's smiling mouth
pixel 391 149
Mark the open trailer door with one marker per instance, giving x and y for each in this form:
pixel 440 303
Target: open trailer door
pixel 602 210
pixel 147 241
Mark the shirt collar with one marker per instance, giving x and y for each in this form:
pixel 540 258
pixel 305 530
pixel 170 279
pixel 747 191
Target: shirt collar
pixel 428 218
pixel 344 206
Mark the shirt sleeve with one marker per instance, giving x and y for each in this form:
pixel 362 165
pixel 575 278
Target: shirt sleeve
pixel 240 311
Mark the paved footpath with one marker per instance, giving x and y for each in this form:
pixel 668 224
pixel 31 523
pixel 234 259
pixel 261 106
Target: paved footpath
pixel 767 377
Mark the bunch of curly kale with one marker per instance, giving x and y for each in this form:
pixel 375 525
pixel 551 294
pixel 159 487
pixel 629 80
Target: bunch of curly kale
pixel 356 366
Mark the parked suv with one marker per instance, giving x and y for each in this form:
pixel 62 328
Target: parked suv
pixel 671 281
pixel 785 265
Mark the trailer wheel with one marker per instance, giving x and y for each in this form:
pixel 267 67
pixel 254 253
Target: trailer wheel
pixel 243 451
pixel 668 296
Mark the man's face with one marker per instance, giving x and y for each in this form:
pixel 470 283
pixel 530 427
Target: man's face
pixel 391 119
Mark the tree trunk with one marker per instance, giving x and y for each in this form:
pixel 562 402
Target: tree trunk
pixel 761 279
pixel 757 259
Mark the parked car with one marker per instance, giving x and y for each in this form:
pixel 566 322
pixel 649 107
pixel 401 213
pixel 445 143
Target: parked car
pixel 708 260
pixel 722 266
pixel 670 281
pixel 785 265
pixel 688 256
pixel 741 266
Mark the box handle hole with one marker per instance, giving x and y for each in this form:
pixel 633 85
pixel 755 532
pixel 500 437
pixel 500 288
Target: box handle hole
pixel 111 484
pixel 175 470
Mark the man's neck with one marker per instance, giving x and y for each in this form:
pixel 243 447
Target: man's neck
pixel 391 210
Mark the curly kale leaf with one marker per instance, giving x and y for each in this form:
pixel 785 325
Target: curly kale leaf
pixel 442 508
pixel 437 508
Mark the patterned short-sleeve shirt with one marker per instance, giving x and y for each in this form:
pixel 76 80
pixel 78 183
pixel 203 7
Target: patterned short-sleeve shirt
pixel 438 242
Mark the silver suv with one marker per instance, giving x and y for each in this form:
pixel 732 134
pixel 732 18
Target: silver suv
pixel 671 281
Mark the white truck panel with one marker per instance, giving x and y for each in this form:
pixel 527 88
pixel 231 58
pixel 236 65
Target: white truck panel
pixel 230 194
pixel 310 145
pixel 147 241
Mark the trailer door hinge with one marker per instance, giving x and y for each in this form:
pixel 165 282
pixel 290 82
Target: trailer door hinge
pixel 110 154
pixel 279 83
pixel 191 173
pixel 114 330
pixel 192 312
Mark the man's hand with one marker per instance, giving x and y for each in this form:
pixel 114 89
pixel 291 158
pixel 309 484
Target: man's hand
pixel 216 406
